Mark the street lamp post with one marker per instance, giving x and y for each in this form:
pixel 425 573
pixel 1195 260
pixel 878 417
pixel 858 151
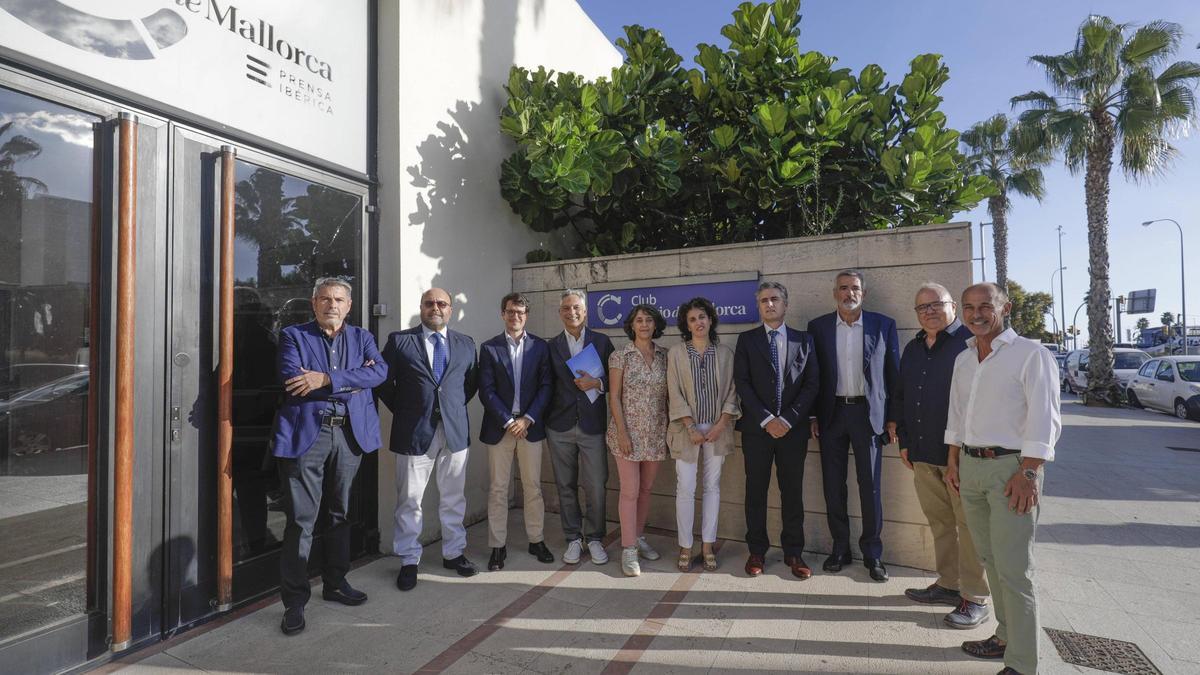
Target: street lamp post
pixel 983 251
pixel 1061 294
pixel 1182 280
pixel 1075 323
pixel 1062 338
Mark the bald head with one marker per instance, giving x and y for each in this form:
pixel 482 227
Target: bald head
pixel 435 308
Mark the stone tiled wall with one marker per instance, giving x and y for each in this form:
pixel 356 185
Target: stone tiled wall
pixel 895 263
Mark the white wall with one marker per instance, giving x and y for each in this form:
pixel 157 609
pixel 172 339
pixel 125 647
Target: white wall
pixel 442 68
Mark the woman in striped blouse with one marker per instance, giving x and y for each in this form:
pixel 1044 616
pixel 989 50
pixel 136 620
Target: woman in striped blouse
pixel 702 406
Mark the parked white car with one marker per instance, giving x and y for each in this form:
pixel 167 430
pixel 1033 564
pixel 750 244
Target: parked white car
pixel 1170 384
pixel 1126 362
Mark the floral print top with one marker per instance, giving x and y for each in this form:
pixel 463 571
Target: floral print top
pixel 644 402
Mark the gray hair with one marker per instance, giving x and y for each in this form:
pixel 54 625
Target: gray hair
pixel 577 292
pixel 332 281
pixel 997 291
pixel 772 285
pixel 852 273
pixel 942 291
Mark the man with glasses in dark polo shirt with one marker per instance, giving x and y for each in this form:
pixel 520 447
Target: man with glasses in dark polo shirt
pixel 919 408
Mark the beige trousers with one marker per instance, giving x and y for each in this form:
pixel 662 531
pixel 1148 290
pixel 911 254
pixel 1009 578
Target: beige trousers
pixel 529 462
pixel 959 567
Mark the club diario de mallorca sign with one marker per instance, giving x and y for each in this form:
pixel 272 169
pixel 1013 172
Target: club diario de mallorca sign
pixel 733 295
pixel 293 72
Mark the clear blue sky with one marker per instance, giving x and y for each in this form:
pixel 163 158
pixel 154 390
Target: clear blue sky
pixel 987 47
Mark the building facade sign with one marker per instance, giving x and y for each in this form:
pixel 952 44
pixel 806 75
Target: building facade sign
pixel 733 299
pixel 292 72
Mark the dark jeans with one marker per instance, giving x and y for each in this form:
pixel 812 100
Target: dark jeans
pixel 851 426
pixel 577 458
pixel 327 468
pixel 787 454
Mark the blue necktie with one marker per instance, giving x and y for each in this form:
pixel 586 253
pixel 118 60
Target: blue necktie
pixel 778 375
pixel 439 357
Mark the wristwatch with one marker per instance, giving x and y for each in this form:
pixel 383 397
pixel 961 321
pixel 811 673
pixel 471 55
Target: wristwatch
pixel 1030 474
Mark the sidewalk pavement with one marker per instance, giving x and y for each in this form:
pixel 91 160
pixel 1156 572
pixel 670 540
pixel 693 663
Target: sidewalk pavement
pixel 1117 557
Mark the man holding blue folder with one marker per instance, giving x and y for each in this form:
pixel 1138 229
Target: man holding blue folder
pixel 575 426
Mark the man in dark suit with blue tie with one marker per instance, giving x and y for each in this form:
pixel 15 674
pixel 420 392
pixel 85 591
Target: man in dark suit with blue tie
pixel 776 377
pixel 859 353
pixel 514 387
pixel 432 374
pixel 326 423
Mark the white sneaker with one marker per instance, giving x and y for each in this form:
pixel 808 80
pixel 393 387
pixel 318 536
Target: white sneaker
pixel 574 551
pixel 629 561
pixel 646 550
pixel 596 550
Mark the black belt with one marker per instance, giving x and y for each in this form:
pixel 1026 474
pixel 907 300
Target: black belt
pixel 334 420
pixel 989 453
pixel 850 400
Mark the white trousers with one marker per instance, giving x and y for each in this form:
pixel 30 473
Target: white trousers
pixel 412 477
pixel 685 496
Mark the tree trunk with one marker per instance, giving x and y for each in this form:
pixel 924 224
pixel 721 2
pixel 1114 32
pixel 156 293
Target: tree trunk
pixel 1102 386
pixel 998 209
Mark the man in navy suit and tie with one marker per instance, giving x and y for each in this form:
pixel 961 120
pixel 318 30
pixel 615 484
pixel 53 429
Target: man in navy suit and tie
pixel 776 377
pixel 432 374
pixel 859 353
pixel 326 423
pixel 514 387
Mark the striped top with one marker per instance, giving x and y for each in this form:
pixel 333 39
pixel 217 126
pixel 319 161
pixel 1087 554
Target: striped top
pixel 704 378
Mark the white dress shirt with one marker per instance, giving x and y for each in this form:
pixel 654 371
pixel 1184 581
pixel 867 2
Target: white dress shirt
pixel 430 344
pixel 516 353
pixel 1010 400
pixel 574 345
pixel 781 345
pixel 850 380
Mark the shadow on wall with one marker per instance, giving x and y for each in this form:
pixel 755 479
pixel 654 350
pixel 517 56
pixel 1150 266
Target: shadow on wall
pixel 461 162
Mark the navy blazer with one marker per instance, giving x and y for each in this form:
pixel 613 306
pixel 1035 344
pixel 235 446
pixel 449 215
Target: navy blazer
pixel 881 364
pixel 496 386
pixel 413 396
pixel 569 406
pixel 299 420
pixel 754 379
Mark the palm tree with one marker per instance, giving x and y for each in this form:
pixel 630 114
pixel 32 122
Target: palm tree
pixel 1111 89
pixel 1167 318
pixel 992 152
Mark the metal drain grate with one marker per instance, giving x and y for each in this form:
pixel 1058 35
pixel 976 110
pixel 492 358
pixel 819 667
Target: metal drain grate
pixel 1114 656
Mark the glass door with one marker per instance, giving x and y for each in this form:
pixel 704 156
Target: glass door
pixel 293 226
pixel 50 385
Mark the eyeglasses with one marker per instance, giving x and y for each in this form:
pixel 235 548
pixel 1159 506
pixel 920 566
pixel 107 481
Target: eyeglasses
pixel 430 304
pixel 931 306
pixel 515 312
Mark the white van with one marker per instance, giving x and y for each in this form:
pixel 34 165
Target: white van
pixel 1126 362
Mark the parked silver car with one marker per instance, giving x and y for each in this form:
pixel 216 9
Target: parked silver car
pixel 1170 384
pixel 1126 362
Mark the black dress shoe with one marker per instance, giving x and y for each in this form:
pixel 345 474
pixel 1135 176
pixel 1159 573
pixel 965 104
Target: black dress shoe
pixel 293 620
pixel 540 552
pixel 407 579
pixel 464 567
pixel 836 562
pixel 345 594
pixel 876 568
pixel 496 562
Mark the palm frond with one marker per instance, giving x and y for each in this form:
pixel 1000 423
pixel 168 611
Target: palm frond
pixel 1152 44
pixel 1181 72
pixel 1059 69
pixel 1028 183
pixel 1146 156
pixel 1039 100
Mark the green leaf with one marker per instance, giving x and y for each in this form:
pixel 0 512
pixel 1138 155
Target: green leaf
pixel 891 161
pixel 588 96
pixel 772 117
pixel 576 181
pixel 723 136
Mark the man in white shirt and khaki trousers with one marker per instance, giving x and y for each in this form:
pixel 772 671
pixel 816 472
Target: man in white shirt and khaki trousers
pixel 1003 424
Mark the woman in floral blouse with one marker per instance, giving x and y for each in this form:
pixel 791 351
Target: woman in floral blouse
pixel 637 430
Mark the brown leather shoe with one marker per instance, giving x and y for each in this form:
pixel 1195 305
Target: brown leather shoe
pixel 754 565
pixel 799 568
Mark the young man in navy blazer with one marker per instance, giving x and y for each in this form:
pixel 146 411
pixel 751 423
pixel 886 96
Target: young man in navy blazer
pixel 776 375
pixel 575 426
pixel 859 353
pixel 514 387
pixel 432 374
pixel 326 423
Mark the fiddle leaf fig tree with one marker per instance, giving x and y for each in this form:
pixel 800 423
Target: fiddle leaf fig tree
pixel 759 141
